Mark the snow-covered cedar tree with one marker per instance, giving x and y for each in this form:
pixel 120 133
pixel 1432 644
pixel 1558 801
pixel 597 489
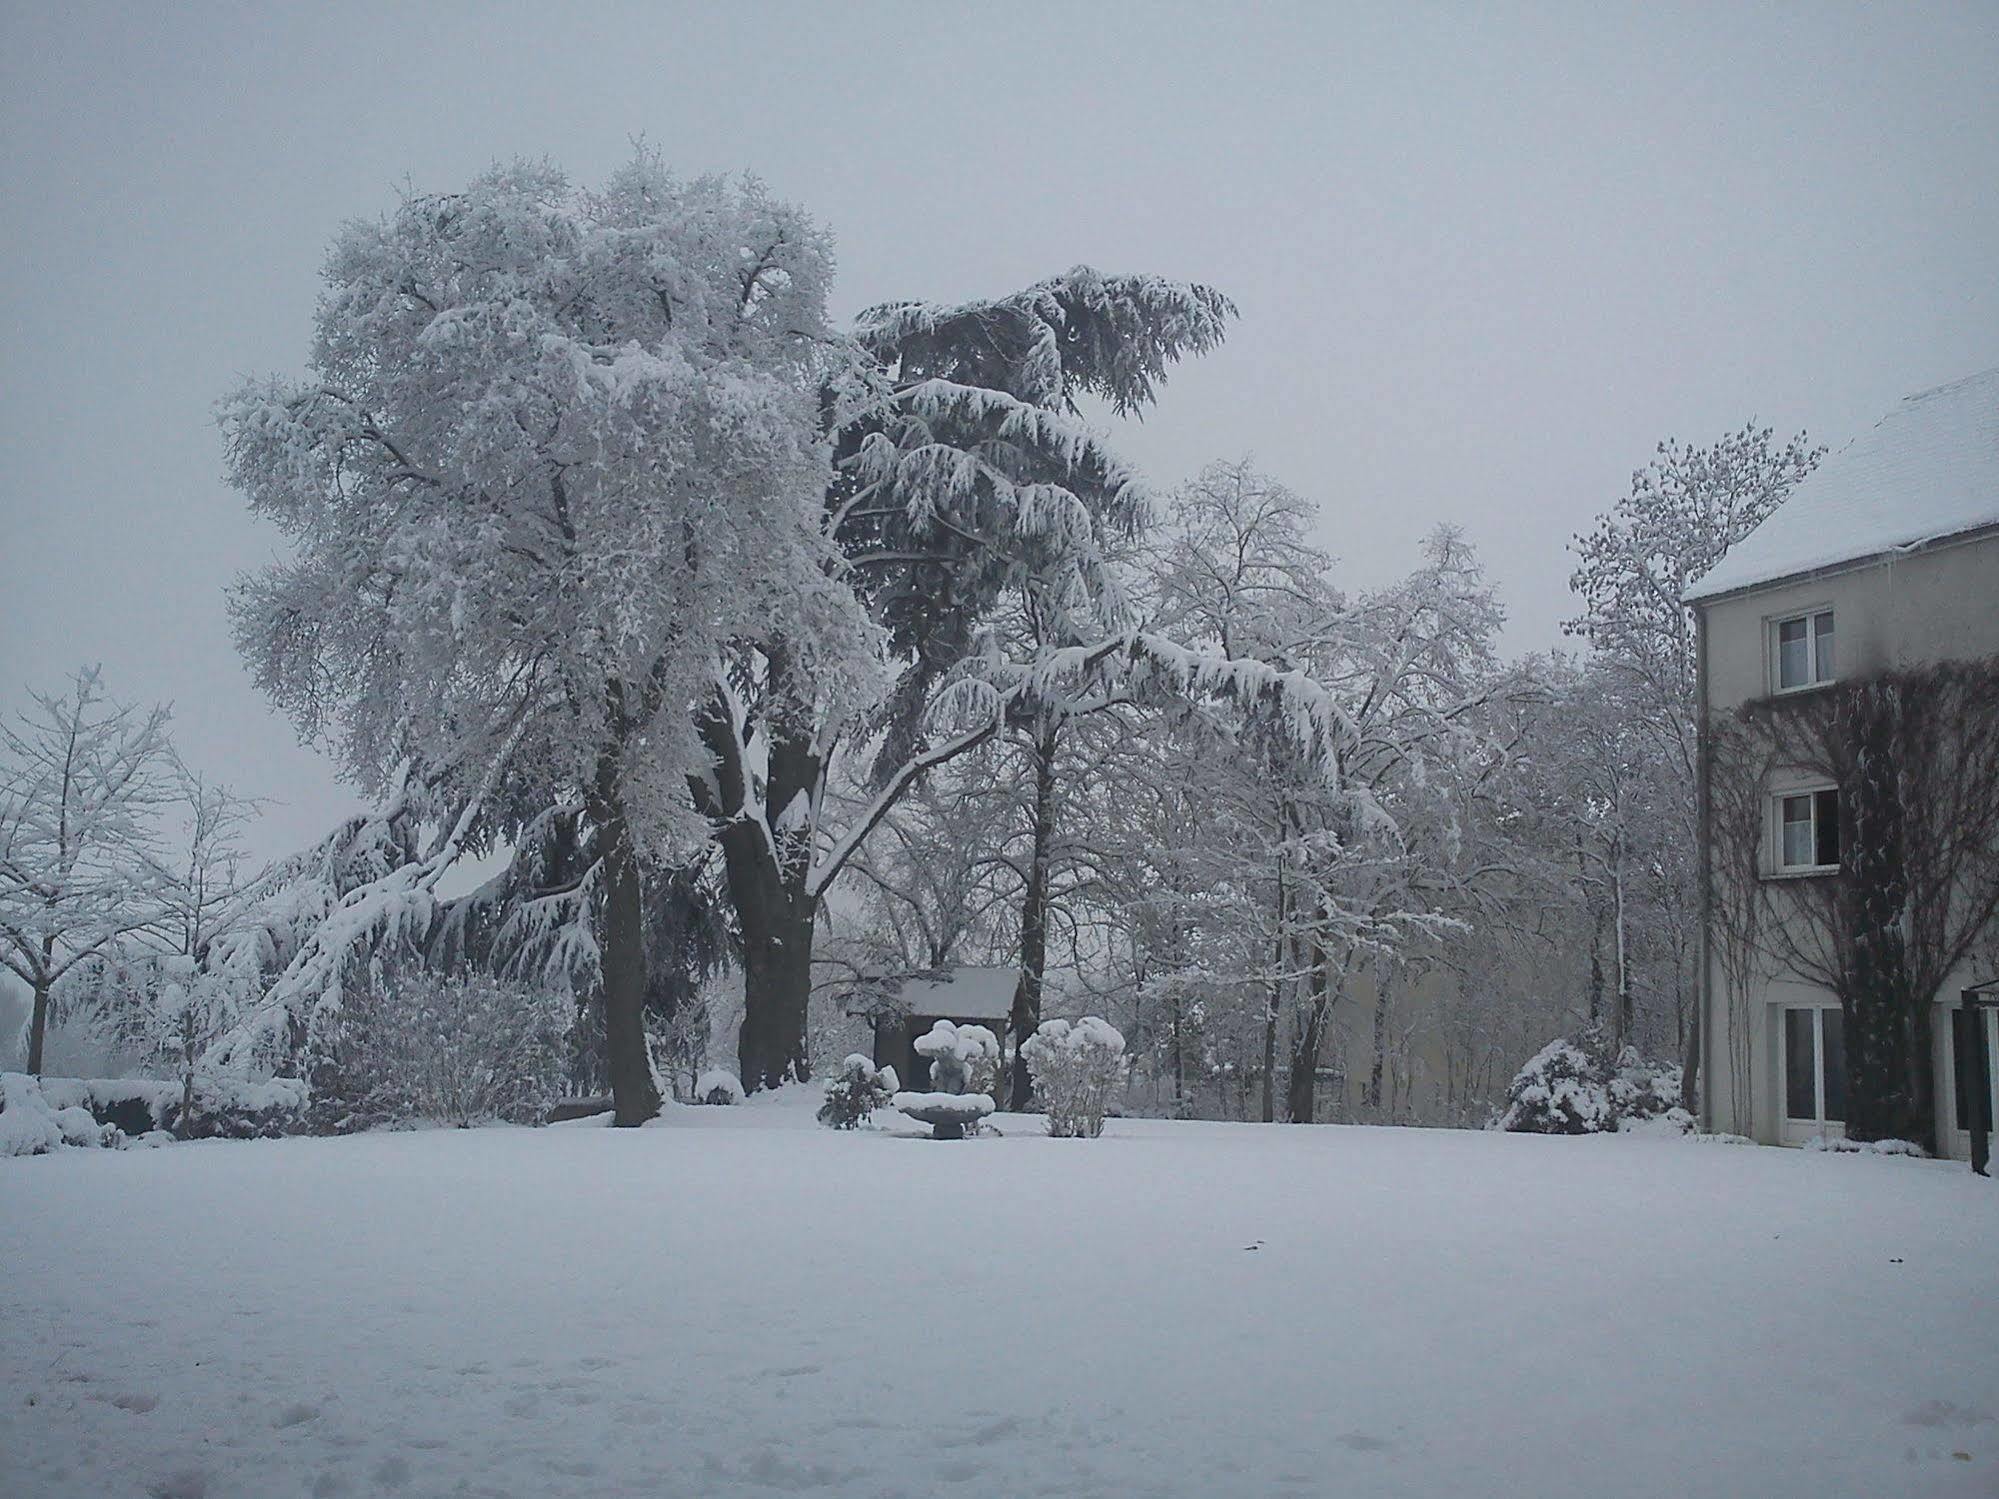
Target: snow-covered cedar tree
pixel 558 451
pixel 966 476
pixel 1079 1070
pixel 718 1085
pixel 959 1055
pixel 1571 1087
pixel 83 781
pixel 420 1047
pixel 856 1091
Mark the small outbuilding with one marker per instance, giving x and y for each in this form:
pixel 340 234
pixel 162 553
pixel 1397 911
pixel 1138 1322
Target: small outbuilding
pixel 901 1007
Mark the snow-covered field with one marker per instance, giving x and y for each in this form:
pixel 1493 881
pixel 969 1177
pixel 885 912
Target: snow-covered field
pixel 738 1302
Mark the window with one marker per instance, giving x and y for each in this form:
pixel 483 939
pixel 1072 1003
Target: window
pixel 1804 650
pixel 1808 831
pixel 1814 1066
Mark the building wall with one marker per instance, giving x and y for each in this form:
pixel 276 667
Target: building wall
pixel 1932 605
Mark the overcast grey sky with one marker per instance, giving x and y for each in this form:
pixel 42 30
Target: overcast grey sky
pixel 1486 257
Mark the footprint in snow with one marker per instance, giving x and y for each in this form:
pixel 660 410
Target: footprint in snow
pixel 296 1414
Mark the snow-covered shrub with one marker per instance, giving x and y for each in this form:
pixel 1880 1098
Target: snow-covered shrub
pixel 958 1056
pixel 31 1125
pixel 459 1049
pixel 1840 1145
pixel 1569 1088
pixel 213 1108
pixel 718 1085
pixel 856 1091
pixel 1078 1068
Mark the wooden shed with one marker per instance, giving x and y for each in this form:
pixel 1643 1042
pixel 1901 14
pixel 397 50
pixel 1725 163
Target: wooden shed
pixel 901 1007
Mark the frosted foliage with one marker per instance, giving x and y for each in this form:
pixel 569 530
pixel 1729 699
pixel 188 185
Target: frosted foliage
pixel 855 1092
pixel 460 1050
pixel 1079 1070
pixel 561 447
pixel 1571 1088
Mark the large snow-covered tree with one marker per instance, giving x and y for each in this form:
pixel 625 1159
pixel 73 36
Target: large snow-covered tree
pixel 560 451
pixel 1685 509
pixel 83 780
pixel 966 477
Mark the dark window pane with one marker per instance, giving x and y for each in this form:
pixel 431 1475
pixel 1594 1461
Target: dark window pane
pixel 1793 654
pixel 1835 1063
pixel 1797 831
pixel 1799 1102
pixel 1960 1059
pixel 1822 645
pixel 1826 830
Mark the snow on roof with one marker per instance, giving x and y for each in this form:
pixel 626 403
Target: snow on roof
pixel 961 993
pixel 1927 470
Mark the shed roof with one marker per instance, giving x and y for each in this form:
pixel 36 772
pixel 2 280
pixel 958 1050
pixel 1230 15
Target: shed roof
pixel 962 993
pixel 1927 470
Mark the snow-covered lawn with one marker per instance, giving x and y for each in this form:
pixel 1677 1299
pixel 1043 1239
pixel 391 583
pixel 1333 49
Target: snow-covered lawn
pixel 737 1302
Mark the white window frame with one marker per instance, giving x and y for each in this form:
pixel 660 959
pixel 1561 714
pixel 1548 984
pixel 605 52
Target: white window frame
pixel 1796 1129
pixel 1818 674
pixel 1779 867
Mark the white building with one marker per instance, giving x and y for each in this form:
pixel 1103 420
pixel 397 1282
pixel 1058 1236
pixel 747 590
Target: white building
pixel 1886 558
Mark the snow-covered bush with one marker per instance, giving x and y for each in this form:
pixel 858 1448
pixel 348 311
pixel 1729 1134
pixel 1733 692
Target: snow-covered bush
pixel 1840 1145
pixel 208 1108
pixel 31 1125
pixel 856 1091
pixel 1078 1068
pixel 1569 1088
pixel 718 1085
pixel 459 1049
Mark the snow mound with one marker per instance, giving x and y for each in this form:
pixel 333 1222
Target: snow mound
pixel 718 1085
pixel 31 1125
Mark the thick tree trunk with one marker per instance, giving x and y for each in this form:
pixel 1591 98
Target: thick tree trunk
pixel 1026 1017
pixel 1303 1095
pixel 38 1027
pixel 1690 1066
pixel 776 917
pixel 622 961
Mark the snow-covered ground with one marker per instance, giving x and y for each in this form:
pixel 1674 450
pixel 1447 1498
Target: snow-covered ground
pixel 738 1302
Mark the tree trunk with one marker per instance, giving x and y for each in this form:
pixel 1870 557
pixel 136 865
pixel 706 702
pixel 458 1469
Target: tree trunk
pixel 776 917
pixel 1690 1066
pixel 1621 1018
pixel 1380 1062
pixel 1303 1095
pixel 38 1027
pixel 1026 1018
pixel 622 959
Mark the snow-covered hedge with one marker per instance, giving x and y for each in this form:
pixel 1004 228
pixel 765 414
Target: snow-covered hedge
pixel 856 1091
pixel 718 1085
pixel 1568 1088
pixel 224 1108
pixel 1078 1069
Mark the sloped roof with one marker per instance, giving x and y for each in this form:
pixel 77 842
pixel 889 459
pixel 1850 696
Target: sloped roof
pixel 965 993
pixel 1927 470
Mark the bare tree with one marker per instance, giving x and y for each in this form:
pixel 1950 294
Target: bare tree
pixel 83 779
